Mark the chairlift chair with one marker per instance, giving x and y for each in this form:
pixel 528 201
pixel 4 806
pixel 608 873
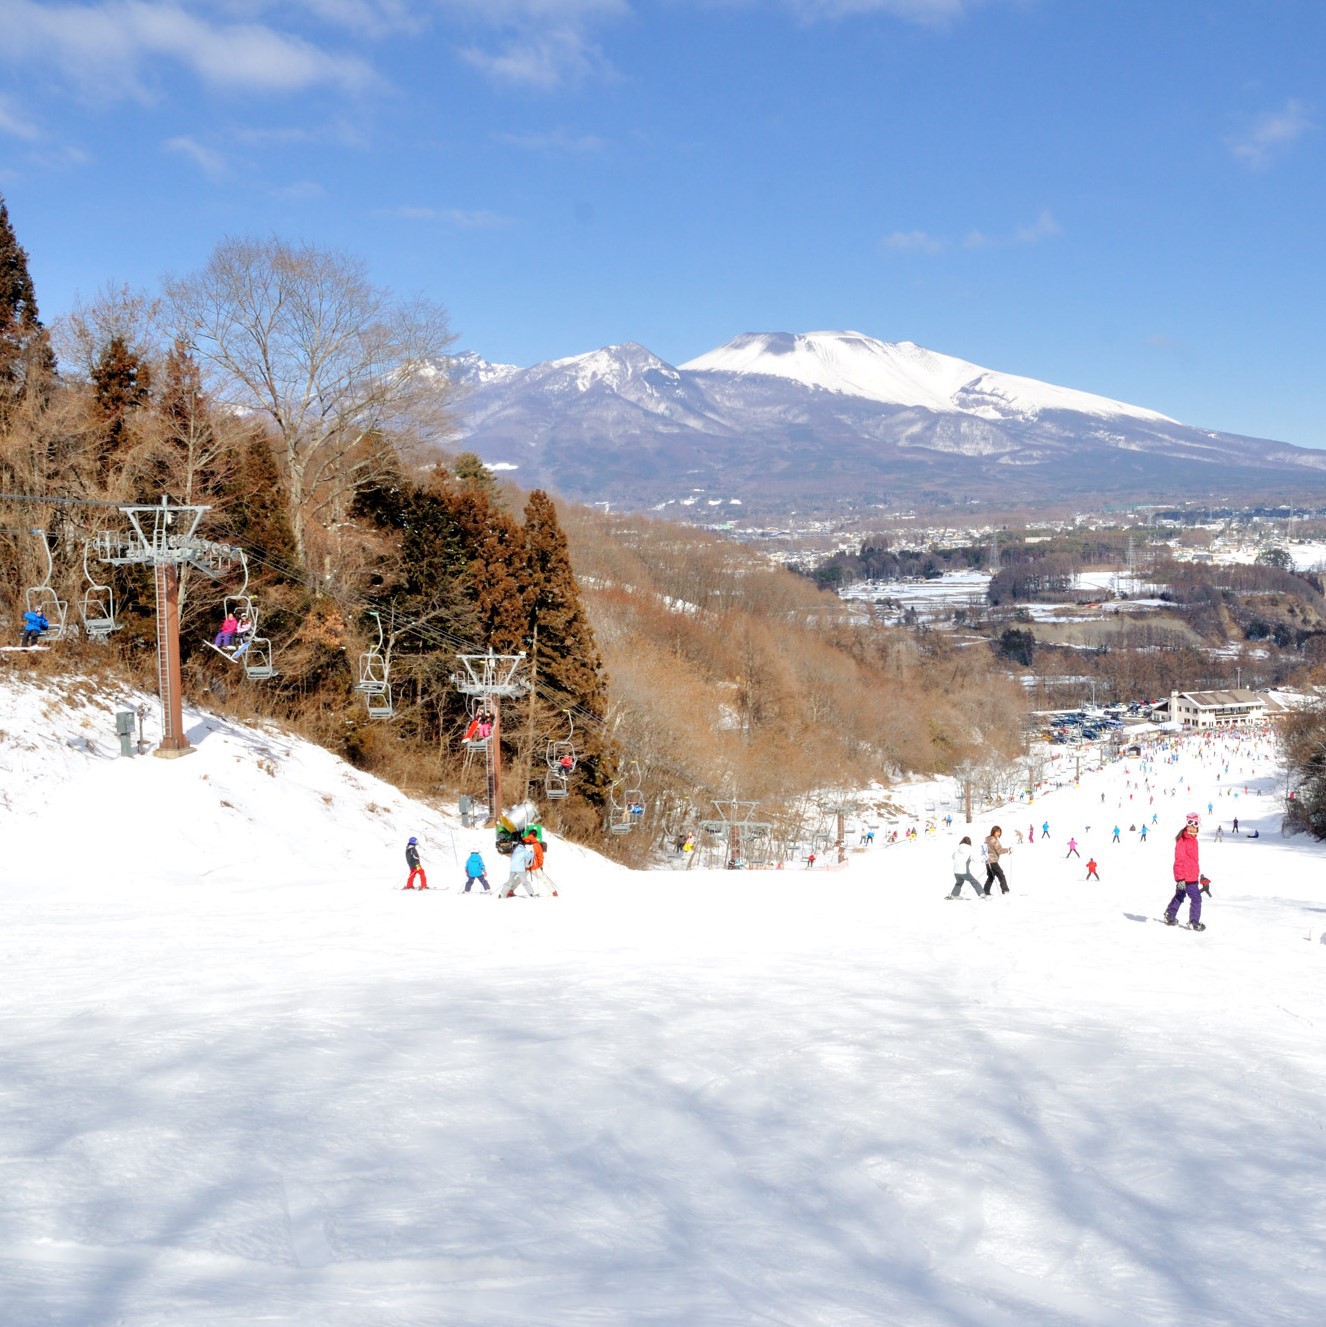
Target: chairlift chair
pixel 634 796
pixel 375 680
pixel 98 604
pixel 253 652
pixel 620 820
pixel 561 761
pixel 477 707
pixel 256 658
pixel 43 598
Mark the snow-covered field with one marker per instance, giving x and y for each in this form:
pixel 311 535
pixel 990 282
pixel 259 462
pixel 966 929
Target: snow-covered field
pixel 245 1078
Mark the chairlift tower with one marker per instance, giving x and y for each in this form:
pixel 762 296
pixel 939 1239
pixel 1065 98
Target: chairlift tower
pixel 737 826
pixel 491 677
pixel 164 537
pixel 840 811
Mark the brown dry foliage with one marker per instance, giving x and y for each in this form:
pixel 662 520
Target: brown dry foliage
pixel 731 677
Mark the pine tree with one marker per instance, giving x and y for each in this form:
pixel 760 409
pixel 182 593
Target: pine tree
pixel 494 547
pixel 468 467
pixel 27 363
pixel 192 461
pixel 567 662
pixel 121 382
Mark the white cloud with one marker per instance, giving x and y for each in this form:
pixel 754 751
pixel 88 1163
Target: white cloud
pixel 15 124
pixel 935 12
pixel 556 141
pixel 524 12
pixel 209 161
pixel 541 60
pixel 1271 135
pixel 913 241
pixel 450 216
pixel 1045 227
pixel 301 191
pixel 109 45
pixel 475 220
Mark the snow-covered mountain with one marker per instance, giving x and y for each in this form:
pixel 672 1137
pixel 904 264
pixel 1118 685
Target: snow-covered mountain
pixel 901 373
pixel 775 419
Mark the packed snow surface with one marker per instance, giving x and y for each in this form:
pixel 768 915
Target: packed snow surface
pixel 246 1078
pixel 900 373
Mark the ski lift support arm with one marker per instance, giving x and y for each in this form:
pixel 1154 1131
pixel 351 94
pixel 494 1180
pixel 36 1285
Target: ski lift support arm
pixel 164 535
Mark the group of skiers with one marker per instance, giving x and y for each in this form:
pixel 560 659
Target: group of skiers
pixel 992 849
pixel 527 857
pixel 1189 882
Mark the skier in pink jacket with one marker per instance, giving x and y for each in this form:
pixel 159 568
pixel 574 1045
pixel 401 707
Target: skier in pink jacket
pixel 1188 877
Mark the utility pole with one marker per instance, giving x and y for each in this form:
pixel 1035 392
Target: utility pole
pixel 492 676
pixel 163 537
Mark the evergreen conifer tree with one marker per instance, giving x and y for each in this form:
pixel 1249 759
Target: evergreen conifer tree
pixel 567 663
pixel 121 381
pixel 27 363
pixel 191 461
pixel 494 546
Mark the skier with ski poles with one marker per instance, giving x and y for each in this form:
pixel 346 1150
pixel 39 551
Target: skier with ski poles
pixel 412 861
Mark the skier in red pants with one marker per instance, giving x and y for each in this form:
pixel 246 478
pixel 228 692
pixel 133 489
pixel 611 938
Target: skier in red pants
pixel 412 861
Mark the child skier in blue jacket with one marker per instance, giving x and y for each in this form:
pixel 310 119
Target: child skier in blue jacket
pixel 475 870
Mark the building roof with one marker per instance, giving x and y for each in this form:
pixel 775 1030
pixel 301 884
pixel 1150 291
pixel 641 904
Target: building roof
pixel 1231 699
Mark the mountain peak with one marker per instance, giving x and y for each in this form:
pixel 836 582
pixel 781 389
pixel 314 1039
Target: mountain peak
pixel 900 373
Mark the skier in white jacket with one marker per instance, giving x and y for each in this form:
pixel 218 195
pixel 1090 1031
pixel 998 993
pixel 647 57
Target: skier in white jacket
pixel 962 860
pixel 522 858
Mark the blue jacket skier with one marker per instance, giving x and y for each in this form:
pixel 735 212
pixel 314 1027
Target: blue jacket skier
pixel 34 626
pixel 475 870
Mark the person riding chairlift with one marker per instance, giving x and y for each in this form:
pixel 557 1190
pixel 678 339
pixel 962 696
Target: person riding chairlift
pixel 481 727
pixel 34 626
pixel 243 634
pixel 225 638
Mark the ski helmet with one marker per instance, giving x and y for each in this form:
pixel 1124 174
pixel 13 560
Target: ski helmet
pixel 413 839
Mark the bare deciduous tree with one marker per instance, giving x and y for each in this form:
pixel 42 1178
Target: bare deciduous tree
pixel 343 371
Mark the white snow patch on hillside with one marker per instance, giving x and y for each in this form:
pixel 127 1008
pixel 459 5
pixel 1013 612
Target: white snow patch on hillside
pixel 245 1078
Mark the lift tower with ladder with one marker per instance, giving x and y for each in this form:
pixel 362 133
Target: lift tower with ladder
pixel 491 677
pixel 164 537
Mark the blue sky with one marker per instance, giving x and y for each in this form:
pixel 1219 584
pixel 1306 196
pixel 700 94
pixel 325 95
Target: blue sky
pixel 1112 195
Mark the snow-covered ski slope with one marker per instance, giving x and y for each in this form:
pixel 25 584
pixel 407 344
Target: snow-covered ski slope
pixel 244 1078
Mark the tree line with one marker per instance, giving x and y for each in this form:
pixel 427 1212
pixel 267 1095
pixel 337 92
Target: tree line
pixel 308 410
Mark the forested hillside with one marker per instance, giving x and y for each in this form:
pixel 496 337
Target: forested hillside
pixel 282 391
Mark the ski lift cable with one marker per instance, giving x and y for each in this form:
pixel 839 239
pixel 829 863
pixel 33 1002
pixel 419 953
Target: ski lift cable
pixel 424 632
pixel 428 634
